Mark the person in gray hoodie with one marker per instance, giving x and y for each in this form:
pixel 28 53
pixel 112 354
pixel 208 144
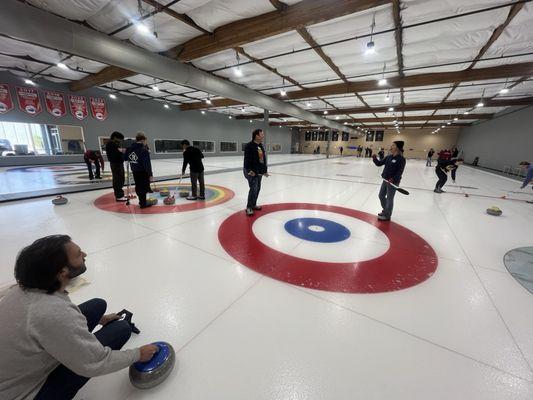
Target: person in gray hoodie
pixel 46 342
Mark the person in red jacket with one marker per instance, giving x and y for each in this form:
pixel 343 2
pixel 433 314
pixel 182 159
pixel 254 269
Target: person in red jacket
pixel 94 157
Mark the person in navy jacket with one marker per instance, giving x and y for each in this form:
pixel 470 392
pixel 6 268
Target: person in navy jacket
pixel 392 173
pixel 139 158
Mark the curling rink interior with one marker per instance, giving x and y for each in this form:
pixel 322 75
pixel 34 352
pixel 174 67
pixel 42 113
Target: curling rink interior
pixel 455 325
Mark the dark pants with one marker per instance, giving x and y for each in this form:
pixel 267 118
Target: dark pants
pixel 117 170
pixel 453 174
pixel 443 177
pixel 62 383
pixel 386 197
pixel 142 186
pixel 255 187
pixel 428 162
pixel 90 168
pixel 195 177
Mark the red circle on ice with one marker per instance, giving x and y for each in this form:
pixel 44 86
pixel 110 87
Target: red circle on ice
pixel 409 261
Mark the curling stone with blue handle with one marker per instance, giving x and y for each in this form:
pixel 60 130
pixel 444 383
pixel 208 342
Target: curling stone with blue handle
pixel 145 375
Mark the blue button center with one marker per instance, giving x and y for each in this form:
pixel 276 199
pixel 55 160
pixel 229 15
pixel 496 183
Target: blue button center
pixel 317 230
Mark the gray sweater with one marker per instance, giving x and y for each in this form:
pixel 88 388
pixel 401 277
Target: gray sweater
pixel 39 331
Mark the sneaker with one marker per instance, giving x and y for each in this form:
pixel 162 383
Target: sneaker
pixel 201 197
pixel 123 198
pixel 381 214
pixel 191 198
pixel 257 208
pixel 383 218
pixel 437 191
pixel 249 212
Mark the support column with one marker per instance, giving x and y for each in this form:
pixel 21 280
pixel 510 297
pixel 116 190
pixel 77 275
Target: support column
pixel 330 133
pixel 266 121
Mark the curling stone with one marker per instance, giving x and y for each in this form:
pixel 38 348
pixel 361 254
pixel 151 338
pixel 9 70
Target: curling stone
pixel 60 200
pixel 183 192
pixel 145 375
pixel 164 192
pixel 151 200
pixel 494 211
pixel 169 200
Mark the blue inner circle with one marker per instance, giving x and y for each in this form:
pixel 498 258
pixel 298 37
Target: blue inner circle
pixel 326 231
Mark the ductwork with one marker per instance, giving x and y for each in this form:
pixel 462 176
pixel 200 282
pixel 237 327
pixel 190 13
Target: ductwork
pixel 33 25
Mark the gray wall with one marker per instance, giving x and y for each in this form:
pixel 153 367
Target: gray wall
pixel 129 114
pixel 505 140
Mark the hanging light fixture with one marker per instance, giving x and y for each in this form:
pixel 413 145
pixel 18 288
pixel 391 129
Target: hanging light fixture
pixel 383 80
pixel 387 96
pixel 282 90
pixel 371 46
pixel 481 104
pixel 166 106
pixel 505 88
pixel 237 70
pixel 208 101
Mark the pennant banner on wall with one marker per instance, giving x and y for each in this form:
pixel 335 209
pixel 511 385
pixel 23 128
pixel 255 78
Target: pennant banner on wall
pixel 6 102
pixel 29 100
pixel 78 106
pixel 55 103
pixel 98 108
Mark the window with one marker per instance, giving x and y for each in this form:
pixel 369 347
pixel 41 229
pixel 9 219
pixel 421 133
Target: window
pixel 228 147
pixel 17 138
pixel 204 145
pixel 275 147
pixel 163 146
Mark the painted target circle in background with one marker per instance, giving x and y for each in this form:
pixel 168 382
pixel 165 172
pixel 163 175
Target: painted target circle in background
pixel 328 248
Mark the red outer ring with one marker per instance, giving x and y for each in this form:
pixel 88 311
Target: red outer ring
pixel 410 260
pixel 107 202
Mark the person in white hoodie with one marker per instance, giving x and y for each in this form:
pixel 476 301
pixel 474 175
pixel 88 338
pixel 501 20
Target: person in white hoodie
pixel 47 347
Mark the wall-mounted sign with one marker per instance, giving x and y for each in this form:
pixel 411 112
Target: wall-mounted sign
pixel 379 136
pixel 55 103
pixel 370 136
pixel 6 102
pixel 29 100
pixel 315 136
pixel 78 106
pixel 307 136
pixel 335 136
pixel 98 108
pixel 345 136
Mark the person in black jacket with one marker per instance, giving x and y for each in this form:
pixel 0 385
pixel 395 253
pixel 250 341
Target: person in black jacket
pixel 392 173
pixel 442 169
pixel 115 156
pixel 193 156
pixel 255 166
pixel 139 158
pixel 430 156
pixel 381 153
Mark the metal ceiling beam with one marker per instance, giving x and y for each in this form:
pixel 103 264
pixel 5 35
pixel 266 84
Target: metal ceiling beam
pixel 33 25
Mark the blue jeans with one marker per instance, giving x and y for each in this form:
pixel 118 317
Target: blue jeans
pixel 255 186
pixel 62 383
pixel 386 197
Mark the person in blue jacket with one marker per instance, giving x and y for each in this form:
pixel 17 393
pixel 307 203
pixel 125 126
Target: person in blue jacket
pixel 139 158
pixel 529 173
pixel 392 173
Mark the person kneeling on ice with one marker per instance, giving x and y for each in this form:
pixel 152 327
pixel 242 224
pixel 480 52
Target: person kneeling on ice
pixel 138 156
pixel 94 157
pixel 193 156
pixel 46 341
pixel 442 169
pixel 392 173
